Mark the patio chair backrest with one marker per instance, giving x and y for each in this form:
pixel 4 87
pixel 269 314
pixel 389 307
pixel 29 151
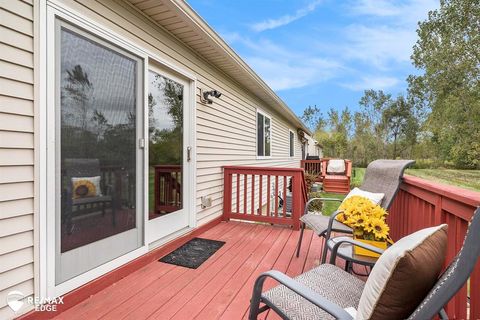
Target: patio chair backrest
pixel 454 276
pixel 385 176
pixel 82 167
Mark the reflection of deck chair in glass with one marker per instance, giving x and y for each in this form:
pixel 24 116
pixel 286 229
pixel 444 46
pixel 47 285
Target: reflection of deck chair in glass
pixel 168 188
pixel 84 191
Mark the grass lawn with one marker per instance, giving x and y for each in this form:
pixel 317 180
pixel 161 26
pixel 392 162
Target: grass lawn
pixel 329 206
pixel 468 179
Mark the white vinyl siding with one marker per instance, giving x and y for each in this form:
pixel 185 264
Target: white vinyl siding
pixel 16 150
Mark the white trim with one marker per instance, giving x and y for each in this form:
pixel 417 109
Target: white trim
pixel 50 244
pixel 265 115
pixel 175 219
pixel 40 173
pixel 290 141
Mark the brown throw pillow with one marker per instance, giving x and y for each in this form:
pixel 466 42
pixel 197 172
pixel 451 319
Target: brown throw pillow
pixel 404 274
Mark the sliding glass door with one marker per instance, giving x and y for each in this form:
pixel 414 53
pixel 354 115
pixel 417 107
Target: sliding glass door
pixel 168 154
pixel 99 160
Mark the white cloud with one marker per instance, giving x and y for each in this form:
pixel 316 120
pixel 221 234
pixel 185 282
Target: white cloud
pixel 407 12
pixel 388 33
pixel 379 46
pixel 286 19
pixel 283 68
pixel 372 82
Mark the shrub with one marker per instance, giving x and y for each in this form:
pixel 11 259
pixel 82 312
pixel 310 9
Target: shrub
pixel 316 206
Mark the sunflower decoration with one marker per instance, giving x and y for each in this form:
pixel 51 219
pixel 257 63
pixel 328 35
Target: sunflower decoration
pixel 84 188
pixel 366 218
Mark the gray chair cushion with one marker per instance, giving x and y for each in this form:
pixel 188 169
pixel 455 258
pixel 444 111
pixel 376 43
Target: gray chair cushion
pixel 319 223
pixel 327 280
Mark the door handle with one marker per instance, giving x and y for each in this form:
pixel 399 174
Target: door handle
pixel 189 154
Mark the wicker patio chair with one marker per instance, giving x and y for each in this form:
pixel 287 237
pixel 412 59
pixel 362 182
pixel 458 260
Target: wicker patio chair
pixel 326 291
pixel 381 176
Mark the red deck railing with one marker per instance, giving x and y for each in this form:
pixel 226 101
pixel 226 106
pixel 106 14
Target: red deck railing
pixel 313 166
pixel 168 188
pixel 261 194
pixel 422 204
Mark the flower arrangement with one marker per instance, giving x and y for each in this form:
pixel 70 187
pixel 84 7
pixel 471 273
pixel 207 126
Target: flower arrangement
pixel 366 218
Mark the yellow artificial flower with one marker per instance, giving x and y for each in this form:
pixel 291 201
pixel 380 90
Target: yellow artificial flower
pixel 379 228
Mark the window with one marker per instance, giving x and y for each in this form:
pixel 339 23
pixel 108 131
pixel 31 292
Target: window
pixel 292 143
pixel 264 133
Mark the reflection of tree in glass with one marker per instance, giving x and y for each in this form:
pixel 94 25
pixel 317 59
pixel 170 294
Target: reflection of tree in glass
pixel 86 131
pixel 79 89
pixel 166 144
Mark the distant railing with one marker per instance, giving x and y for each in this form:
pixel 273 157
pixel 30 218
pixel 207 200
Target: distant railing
pixel 262 194
pixel 422 204
pixel 313 166
pixel 168 188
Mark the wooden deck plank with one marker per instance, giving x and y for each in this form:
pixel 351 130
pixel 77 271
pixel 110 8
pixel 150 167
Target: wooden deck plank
pixel 157 294
pixel 108 299
pixel 296 265
pixel 227 279
pixel 281 265
pixel 157 288
pixel 219 289
pixel 240 302
pixel 230 261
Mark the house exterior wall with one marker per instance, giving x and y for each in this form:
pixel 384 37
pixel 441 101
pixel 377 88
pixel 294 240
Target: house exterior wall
pixel 16 150
pixel 225 131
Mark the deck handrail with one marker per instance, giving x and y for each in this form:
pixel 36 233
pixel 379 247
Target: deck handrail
pixel 421 204
pixel 250 193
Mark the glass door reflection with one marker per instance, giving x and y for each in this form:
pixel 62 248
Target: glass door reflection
pixel 165 110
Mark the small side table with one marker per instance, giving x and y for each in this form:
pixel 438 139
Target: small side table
pixel 345 251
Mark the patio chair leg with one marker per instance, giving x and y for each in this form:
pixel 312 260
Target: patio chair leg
pixel 299 245
pixel 325 249
pixel 256 297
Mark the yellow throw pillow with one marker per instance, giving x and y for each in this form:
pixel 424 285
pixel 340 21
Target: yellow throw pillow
pixel 85 187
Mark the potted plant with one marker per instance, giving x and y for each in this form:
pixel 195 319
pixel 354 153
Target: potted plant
pixel 367 220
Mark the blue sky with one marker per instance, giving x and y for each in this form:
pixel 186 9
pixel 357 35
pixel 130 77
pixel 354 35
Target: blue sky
pixel 322 52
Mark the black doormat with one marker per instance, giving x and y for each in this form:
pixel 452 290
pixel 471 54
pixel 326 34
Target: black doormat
pixel 193 253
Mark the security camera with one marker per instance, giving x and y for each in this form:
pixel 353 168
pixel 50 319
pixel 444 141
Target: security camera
pixel 213 93
pixel 216 94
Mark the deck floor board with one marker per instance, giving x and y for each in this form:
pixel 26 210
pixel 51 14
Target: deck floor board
pixel 219 289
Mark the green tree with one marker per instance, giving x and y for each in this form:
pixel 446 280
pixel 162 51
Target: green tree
pixel 401 125
pixel 448 52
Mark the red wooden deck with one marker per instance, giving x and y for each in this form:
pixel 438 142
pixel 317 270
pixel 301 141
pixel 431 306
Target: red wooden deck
pixel 219 289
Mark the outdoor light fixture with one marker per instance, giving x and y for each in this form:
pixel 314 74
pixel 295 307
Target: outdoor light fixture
pixel 205 96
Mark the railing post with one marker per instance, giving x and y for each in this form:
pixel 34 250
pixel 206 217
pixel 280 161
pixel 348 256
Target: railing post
pixel 297 200
pixel 227 196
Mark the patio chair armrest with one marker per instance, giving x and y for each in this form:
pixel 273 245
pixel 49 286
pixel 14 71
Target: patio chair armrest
pixel 318 199
pixel 307 293
pixel 332 219
pixel 353 242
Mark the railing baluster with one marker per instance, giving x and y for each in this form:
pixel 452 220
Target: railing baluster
pixel 269 207
pixel 253 194
pixel 238 192
pixel 284 196
pixel 245 193
pixel 260 196
pixel 276 196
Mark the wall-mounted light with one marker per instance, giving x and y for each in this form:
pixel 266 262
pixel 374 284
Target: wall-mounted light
pixel 205 96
